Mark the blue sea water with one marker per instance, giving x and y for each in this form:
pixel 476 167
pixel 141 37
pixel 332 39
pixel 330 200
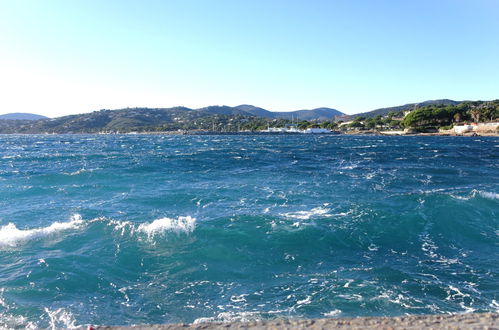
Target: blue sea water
pixel 131 229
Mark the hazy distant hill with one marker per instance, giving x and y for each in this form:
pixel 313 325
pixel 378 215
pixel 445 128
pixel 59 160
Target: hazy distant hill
pixel 256 111
pixel 250 110
pixel 314 114
pixel 409 106
pixel 21 116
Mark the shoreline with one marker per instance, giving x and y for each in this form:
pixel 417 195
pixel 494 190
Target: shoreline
pixel 440 321
pixel 356 133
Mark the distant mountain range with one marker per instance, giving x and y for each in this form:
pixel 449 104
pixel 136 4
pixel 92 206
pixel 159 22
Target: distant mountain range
pixel 150 119
pixel 22 116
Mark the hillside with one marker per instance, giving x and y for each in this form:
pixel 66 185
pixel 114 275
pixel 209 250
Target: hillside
pixel 409 106
pixel 21 116
pixel 434 113
pixel 250 110
pixel 314 114
pixel 163 119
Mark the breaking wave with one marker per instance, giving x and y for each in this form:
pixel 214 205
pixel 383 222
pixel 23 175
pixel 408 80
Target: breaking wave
pixel 486 194
pixel 11 236
pixel 181 224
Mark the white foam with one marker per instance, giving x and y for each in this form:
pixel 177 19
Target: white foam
pixel 305 301
pixel 332 313
pixel 494 304
pixel 121 226
pixel 8 321
pixel 11 236
pixel 181 224
pixel 230 317
pixel 60 318
pixel 486 194
pixel 81 170
pixel 305 215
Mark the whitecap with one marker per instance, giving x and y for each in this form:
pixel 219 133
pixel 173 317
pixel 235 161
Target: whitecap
pixel 11 236
pixel 305 301
pixel 333 313
pixel 305 215
pixel 458 197
pixel 494 304
pixel 240 298
pixel 347 284
pixel 486 194
pixel 181 224
pixel 357 297
pixel 121 226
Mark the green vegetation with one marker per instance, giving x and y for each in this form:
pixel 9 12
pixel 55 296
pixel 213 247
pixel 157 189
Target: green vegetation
pixel 375 123
pixel 226 119
pixel 434 116
pixel 406 107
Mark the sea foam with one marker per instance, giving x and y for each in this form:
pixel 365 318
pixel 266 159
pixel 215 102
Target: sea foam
pixel 486 194
pixel 305 215
pixel 11 236
pixel 159 226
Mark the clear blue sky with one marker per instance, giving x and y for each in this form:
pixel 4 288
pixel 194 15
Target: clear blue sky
pixel 61 57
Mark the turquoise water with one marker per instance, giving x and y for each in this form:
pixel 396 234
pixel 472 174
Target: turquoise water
pixel 157 229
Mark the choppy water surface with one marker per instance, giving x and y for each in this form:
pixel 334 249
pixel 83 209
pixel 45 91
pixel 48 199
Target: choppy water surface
pixel 160 229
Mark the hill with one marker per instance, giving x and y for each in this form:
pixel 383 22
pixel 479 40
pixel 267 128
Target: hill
pixel 409 106
pixel 21 116
pixel 163 119
pixel 250 110
pixel 314 114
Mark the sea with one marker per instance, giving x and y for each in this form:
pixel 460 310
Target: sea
pixel 136 229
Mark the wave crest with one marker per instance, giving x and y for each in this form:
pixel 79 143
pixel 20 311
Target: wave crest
pixel 485 194
pixel 181 224
pixel 11 236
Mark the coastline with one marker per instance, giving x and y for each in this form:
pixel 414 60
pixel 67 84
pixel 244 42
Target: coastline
pixel 441 321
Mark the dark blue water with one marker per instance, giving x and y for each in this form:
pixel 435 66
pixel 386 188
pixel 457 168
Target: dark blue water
pixel 159 229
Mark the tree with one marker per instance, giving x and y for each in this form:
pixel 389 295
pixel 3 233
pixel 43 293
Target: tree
pixel 475 115
pixel 394 123
pixel 370 123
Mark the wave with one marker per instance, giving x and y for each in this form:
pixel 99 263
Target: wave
pixel 77 172
pixel 461 194
pixel 11 236
pixel 477 193
pixel 486 194
pixel 181 224
pixel 305 215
